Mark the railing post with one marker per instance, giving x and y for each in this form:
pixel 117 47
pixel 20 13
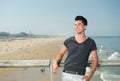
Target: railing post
pixel 51 73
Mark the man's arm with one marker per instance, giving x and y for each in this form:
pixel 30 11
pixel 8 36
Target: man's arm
pixel 58 59
pixel 94 65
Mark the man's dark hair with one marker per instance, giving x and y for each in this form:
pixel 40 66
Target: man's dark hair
pixel 83 19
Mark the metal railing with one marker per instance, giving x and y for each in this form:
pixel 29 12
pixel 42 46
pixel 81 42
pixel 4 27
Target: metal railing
pixel 48 63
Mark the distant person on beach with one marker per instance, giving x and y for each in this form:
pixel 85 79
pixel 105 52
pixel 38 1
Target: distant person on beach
pixel 78 49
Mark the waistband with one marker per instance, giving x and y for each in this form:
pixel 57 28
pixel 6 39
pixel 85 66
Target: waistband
pixel 72 72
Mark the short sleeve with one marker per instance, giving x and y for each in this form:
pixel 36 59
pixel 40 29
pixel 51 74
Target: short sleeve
pixel 93 45
pixel 66 42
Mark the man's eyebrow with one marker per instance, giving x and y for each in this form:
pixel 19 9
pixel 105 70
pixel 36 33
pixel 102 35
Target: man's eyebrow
pixel 79 23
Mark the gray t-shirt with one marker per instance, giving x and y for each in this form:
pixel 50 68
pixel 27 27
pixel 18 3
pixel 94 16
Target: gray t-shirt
pixel 78 54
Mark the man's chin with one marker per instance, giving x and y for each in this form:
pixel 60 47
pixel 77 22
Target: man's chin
pixel 78 32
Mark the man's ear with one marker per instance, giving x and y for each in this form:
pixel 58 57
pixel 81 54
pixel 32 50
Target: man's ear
pixel 85 27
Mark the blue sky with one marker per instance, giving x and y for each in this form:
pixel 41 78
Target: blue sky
pixel 56 17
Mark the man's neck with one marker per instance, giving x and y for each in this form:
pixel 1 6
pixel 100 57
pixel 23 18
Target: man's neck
pixel 80 37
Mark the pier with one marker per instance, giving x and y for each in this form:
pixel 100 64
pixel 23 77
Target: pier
pixel 48 63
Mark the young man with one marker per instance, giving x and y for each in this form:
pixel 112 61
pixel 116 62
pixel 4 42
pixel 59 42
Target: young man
pixel 79 48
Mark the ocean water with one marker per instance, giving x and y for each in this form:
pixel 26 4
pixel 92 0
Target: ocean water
pixel 108 49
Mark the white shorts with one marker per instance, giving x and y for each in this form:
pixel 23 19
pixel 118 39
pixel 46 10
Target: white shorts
pixel 72 77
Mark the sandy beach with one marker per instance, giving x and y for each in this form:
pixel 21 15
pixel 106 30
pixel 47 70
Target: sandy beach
pixel 27 49
pixel 30 48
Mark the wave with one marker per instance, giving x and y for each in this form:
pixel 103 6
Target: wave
pixel 96 72
pixel 101 50
pixel 106 76
pixel 114 56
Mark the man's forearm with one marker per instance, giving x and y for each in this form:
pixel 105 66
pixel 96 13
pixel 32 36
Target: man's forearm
pixel 60 54
pixel 93 68
pixel 94 63
pixel 58 59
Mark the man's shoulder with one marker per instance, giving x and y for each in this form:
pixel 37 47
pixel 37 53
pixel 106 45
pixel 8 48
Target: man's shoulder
pixel 90 38
pixel 71 38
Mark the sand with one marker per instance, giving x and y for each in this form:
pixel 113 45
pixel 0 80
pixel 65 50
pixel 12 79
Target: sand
pixel 28 49
pixel 31 48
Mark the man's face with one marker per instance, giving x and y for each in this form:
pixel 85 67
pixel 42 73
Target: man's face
pixel 79 27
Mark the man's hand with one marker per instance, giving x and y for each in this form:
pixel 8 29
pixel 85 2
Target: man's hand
pixel 86 77
pixel 55 67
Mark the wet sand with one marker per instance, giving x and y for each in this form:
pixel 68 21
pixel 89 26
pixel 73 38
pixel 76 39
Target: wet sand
pixel 28 49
